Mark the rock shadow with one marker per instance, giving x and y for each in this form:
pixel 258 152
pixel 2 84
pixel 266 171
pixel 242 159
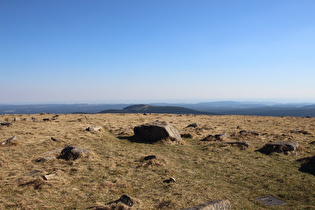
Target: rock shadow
pixel 308 165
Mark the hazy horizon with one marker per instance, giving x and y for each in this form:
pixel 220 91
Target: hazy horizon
pixel 178 101
pixel 161 51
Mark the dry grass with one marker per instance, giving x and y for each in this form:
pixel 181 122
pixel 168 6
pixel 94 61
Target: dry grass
pixel 204 170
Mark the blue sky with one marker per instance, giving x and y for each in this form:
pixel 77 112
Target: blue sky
pixel 157 50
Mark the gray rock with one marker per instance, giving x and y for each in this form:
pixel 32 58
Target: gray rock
pixel 217 137
pixel 308 166
pixel 280 147
pixel 237 143
pixel 45 159
pixel 13 141
pixel 73 153
pixel 156 131
pixel 5 123
pixel 245 133
pixel 125 199
pixel 213 205
pixel 94 128
pixel 193 125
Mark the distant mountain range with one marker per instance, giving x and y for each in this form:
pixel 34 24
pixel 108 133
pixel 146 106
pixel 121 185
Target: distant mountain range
pixel 144 108
pixel 207 108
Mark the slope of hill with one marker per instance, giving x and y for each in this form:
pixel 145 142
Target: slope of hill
pixel 144 108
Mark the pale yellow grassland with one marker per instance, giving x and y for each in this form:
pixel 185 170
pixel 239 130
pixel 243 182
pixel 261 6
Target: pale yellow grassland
pixel 203 170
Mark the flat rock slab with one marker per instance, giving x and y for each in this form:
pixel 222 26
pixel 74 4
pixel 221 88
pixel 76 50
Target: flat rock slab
pixel 213 205
pixel 157 131
pixel 280 147
pixel 73 153
pixel 270 200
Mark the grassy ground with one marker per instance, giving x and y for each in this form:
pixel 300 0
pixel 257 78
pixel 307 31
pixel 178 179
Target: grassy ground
pixel 204 170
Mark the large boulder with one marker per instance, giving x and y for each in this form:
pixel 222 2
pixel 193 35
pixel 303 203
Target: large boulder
pixel 157 131
pixel 280 147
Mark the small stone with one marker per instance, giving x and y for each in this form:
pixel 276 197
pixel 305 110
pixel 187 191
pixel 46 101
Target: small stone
pixel 94 128
pixel 73 153
pixel 5 123
pixel 193 125
pixel 13 141
pixel 170 180
pixel 45 159
pixel 217 137
pixel 150 157
pixel 237 143
pixel 245 132
pixel 126 200
pixel 54 139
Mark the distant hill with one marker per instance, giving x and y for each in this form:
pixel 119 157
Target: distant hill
pixel 213 108
pixel 83 108
pixel 144 108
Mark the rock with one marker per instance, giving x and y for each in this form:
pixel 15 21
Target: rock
pixel 213 205
pixel 237 143
pixel 280 147
pixel 13 141
pixel 300 131
pixel 244 132
pixel 54 139
pixel 46 119
pixel 73 153
pixel 45 159
pixel 313 142
pixel 53 176
pixel 309 166
pixel 94 128
pixel 5 123
pixel 170 180
pixel 217 137
pixel 186 135
pixel 193 125
pixel 150 157
pixel 16 119
pixel 156 131
pixel 125 199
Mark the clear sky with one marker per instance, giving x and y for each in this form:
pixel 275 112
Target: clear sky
pixel 156 50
